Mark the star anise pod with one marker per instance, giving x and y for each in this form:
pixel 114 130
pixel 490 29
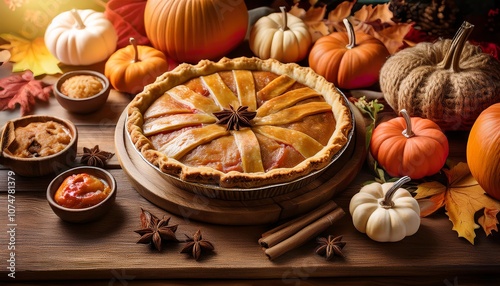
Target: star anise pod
pixel 95 157
pixel 155 230
pixel 330 246
pixel 196 245
pixel 234 119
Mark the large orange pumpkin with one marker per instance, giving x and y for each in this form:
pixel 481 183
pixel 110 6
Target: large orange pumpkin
pixel 414 147
pixel 349 60
pixel 131 68
pixel 192 30
pixel 483 150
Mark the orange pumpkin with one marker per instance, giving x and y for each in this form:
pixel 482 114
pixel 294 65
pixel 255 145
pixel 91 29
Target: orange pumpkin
pixel 483 150
pixel 131 68
pixel 414 147
pixel 190 31
pixel 349 60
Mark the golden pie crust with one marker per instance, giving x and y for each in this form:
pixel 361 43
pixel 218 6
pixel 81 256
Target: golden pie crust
pixel 298 113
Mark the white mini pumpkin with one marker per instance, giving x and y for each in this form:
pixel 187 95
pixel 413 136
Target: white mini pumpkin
pixel 385 212
pixel 280 36
pixel 81 37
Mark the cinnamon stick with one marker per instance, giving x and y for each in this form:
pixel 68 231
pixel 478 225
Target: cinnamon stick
pixel 304 235
pixel 283 231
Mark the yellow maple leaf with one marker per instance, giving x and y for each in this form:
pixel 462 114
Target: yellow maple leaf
pixel 462 197
pixel 30 55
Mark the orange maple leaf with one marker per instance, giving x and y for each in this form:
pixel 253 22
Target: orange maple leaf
pixel 462 197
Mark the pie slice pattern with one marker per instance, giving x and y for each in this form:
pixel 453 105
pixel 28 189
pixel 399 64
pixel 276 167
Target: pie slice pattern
pixel 279 109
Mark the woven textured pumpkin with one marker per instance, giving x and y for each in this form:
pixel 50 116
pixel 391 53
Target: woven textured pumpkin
pixel 449 82
pixel 483 150
pixel 280 36
pixel 131 68
pixel 413 147
pixel 80 37
pixel 191 30
pixel 349 60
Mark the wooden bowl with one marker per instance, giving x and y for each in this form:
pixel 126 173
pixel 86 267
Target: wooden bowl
pixel 83 214
pixel 86 104
pixel 37 166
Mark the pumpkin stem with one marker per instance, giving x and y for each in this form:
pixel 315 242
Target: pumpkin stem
pixel 133 42
pixel 284 24
pixel 408 132
pixel 452 58
pixel 387 201
pixel 350 34
pixel 78 19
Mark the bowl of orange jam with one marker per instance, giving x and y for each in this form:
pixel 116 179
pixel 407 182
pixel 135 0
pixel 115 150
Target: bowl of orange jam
pixel 82 194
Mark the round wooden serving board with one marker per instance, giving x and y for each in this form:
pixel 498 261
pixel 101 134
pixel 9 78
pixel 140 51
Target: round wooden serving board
pixel 190 205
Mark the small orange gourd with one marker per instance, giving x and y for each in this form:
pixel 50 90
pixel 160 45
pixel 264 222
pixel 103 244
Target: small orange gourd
pixel 414 147
pixel 348 60
pixel 131 68
pixel 483 150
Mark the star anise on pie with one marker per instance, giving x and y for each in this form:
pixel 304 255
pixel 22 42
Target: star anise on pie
pixel 330 246
pixel 196 245
pixel 155 231
pixel 95 157
pixel 234 119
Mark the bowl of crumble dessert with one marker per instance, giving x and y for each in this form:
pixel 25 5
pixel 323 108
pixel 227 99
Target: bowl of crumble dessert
pixel 38 145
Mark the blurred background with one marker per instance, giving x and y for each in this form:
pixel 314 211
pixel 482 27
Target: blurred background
pixel 29 18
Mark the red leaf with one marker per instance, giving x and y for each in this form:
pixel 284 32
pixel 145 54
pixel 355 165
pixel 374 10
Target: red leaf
pixel 22 89
pixel 127 17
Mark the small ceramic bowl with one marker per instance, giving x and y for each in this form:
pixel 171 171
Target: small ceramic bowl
pixel 36 166
pixel 85 104
pixel 88 214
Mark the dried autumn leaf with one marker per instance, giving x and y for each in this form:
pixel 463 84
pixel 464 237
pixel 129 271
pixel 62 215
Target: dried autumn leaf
pixel 377 21
pixel 313 18
pixel 337 15
pixel 462 197
pixel 30 55
pixel 343 10
pixel 375 13
pixel 22 89
pixel 391 36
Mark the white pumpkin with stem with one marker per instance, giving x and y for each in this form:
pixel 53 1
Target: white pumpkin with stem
pixel 81 37
pixel 385 212
pixel 281 36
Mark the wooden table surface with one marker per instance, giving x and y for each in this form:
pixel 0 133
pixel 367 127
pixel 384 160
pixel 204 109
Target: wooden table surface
pixel 50 251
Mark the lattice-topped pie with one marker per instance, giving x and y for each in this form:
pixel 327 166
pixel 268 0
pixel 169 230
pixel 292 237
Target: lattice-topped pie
pixel 241 122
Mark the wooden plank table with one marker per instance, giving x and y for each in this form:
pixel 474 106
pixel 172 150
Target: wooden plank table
pixel 51 252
